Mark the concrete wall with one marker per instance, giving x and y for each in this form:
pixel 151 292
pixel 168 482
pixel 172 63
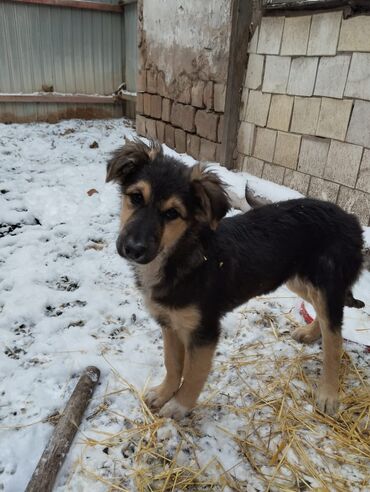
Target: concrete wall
pixel 183 58
pixel 305 117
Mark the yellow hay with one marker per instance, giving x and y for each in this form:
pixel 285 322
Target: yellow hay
pixel 286 444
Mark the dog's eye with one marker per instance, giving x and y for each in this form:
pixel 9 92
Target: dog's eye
pixel 171 214
pixel 136 198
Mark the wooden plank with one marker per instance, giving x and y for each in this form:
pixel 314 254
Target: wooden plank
pixel 65 98
pixel 241 19
pixel 74 4
pixel 57 448
pixel 285 5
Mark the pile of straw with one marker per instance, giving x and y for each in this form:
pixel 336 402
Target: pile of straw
pixel 260 398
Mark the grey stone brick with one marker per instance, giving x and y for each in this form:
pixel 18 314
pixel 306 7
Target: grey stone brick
pixel 356 202
pixel 140 125
pixel 305 115
pixel 324 33
pixel 208 150
pixel 280 112
pixel 166 109
pixel 276 74
pixel 258 107
pixel 169 136
pixel 219 97
pixel 271 30
pixel 245 138
pixel 254 71
pixel 180 140
pixel 160 126
pixel 297 181
pixel 302 76
pixel 323 190
pixel 343 163
pixel 295 35
pixel 151 128
pixel 273 173
pixel 313 155
pixel 333 118
pixel 193 145
pixel 206 124
pixel 359 125
pixel 287 149
pixel 197 94
pixel 332 76
pixel 264 144
pixel 358 82
pixel 363 181
pixel 253 166
pixel 354 34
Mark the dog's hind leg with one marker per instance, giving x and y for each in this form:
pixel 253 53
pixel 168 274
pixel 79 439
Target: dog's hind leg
pixel 330 314
pixel 198 362
pixel 307 333
pixel 174 353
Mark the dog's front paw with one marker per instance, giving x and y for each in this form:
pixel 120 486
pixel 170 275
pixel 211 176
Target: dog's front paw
pixel 327 400
pixel 174 410
pixel 157 396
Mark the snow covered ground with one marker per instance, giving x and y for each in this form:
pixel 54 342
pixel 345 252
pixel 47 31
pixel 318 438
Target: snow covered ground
pixel 67 300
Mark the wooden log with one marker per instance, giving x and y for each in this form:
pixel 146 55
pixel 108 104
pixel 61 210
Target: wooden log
pixel 52 458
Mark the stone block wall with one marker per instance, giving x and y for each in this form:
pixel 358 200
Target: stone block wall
pixel 193 125
pixel 183 53
pixel 305 117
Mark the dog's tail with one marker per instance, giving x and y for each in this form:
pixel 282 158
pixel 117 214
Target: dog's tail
pixel 253 200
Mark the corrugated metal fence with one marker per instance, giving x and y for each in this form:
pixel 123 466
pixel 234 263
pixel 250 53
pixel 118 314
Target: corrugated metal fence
pixel 73 57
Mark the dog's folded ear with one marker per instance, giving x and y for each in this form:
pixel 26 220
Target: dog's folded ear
pixel 131 158
pixel 212 201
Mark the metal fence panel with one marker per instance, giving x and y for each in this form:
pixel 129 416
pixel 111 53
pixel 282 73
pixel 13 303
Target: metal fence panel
pixel 64 50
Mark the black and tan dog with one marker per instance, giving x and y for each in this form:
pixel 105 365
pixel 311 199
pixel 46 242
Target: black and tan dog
pixel 193 266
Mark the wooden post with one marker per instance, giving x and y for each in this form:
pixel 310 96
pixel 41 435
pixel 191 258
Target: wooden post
pixel 241 19
pixel 52 458
pixel 287 5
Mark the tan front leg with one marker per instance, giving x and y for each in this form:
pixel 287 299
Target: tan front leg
pixel 328 390
pixel 327 394
pixel 198 363
pixel 174 353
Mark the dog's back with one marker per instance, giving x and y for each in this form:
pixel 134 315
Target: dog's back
pixel 308 238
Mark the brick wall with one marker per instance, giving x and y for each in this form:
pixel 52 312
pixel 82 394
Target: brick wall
pixel 183 53
pixel 190 122
pixel 305 115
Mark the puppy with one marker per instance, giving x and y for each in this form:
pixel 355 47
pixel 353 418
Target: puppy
pixel 193 265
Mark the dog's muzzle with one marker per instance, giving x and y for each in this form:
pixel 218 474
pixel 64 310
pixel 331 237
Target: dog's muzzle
pixel 134 250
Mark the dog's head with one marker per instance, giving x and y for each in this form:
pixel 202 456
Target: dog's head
pixel 162 198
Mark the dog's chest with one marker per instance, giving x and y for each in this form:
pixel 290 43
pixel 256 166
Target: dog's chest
pixel 149 275
pixel 184 321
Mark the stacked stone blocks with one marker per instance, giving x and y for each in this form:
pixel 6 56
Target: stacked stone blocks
pixel 190 120
pixel 305 117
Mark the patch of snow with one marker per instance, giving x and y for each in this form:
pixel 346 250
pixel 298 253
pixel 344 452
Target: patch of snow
pixel 68 301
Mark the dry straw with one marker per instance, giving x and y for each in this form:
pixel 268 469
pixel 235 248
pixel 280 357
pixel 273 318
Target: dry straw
pixel 283 442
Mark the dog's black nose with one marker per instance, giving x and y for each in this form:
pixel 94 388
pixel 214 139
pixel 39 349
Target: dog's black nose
pixel 135 250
